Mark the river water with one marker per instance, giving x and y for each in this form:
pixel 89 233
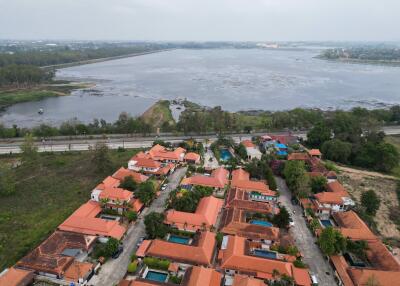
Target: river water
pixel 236 79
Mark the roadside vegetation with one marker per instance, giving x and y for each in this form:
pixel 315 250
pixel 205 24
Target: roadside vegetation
pixel 38 191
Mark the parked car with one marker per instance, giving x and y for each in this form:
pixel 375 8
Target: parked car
pixel 118 252
pixel 164 187
pixel 291 222
pixel 314 280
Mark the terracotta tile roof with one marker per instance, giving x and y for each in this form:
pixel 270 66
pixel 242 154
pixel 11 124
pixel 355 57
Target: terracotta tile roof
pixel 248 144
pixel 298 156
pixel 235 258
pixel 301 276
pixel 122 173
pixel 146 163
pixel 78 270
pixel 48 257
pixel 380 257
pixel 382 278
pixel 314 152
pixel 137 205
pixel 84 221
pixel 284 139
pixel 16 277
pixel 141 251
pixel 233 223
pixel 200 276
pixel 352 226
pixel 108 182
pixel 206 215
pixel 329 198
pixel 336 187
pixel 191 156
pixel 241 180
pixel 241 199
pixel 243 280
pixel 116 194
pixel 341 266
pixel 160 153
pixel 200 254
pixel 218 179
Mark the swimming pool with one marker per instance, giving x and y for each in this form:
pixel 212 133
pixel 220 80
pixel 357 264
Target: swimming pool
pixel 261 222
pixel 326 222
pixel 225 155
pixel 156 276
pixel 178 239
pixel 265 253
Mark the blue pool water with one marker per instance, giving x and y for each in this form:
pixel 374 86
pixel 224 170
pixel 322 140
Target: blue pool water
pixel 261 222
pixel 156 276
pixel 265 253
pixel 225 155
pixel 326 222
pixel 178 239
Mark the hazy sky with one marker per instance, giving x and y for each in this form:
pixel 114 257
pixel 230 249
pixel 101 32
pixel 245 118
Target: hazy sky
pixel 201 19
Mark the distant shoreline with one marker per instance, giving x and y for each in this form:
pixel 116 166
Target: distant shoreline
pixel 357 61
pixel 85 62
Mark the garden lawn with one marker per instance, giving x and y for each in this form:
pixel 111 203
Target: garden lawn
pixel 47 193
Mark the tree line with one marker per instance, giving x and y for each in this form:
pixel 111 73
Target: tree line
pixel 23 75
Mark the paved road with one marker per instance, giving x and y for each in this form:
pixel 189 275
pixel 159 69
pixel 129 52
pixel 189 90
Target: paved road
pixel 114 270
pixel 305 241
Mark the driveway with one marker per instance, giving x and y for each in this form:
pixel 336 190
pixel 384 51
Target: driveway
pixel 213 164
pixel 305 241
pixel 114 270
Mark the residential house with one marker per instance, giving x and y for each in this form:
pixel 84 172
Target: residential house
pixel 122 173
pixel 192 158
pixel 252 151
pixel 160 153
pixel 143 162
pixel 378 265
pixel 259 190
pixel 16 277
pixel 200 252
pixel 108 182
pixel 239 256
pixel 56 257
pixel 298 156
pixel 335 199
pixel 218 180
pixel 85 221
pixel 205 216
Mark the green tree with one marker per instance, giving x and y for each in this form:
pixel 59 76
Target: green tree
pixel 371 202
pixel 131 215
pixel 146 192
pixel 296 178
pixel 155 227
pixel 101 158
pixel 336 150
pixel 128 183
pixel 331 241
pixel 28 149
pixel 240 150
pixel 319 134
pixel 318 184
pixel 282 219
pixel 269 176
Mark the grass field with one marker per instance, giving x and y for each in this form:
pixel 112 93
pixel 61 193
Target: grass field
pixel 395 140
pixel 47 193
pixel 9 97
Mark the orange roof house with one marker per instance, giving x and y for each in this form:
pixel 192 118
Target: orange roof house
pixel 218 179
pixel 16 277
pixel 108 182
pixel 314 153
pixel 50 257
pixel 205 216
pixel 236 255
pixel 200 253
pixel 192 157
pixel 122 173
pixel 352 226
pixel 78 270
pixel 160 153
pixel 335 199
pixel 84 221
pixel 241 180
pixel 233 222
pixel 248 144
pixel 116 194
pixel 200 276
pixel 237 198
pixel 243 280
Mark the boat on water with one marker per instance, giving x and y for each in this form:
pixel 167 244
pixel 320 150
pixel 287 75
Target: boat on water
pixel 40 111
